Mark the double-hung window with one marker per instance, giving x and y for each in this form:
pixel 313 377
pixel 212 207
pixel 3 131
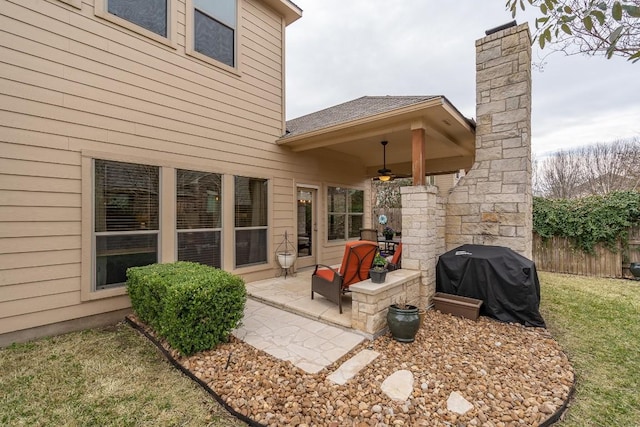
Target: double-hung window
pixel 214 29
pixel 149 14
pixel 346 211
pixel 251 220
pixel 199 217
pixel 125 220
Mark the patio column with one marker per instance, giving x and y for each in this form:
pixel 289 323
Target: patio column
pixel 423 222
pixel 418 153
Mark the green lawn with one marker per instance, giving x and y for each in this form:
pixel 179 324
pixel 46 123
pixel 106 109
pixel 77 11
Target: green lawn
pixel 597 322
pixel 100 377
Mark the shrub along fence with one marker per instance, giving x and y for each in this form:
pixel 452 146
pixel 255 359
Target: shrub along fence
pixel 557 255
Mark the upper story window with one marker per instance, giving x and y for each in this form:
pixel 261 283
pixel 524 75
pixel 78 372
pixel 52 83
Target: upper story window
pixel 346 212
pixel 214 29
pixel 148 14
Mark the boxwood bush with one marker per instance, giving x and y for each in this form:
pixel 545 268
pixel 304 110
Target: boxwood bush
pixel 193 306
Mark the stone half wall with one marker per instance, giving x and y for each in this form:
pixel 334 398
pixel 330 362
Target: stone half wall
pixel 492 204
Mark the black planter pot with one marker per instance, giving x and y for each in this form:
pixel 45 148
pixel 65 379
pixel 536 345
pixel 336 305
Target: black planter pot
pixel 634 268
pixel 403 322
pixel 378 276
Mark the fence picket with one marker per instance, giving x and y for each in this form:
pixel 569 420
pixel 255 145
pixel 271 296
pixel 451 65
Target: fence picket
pixel 558 256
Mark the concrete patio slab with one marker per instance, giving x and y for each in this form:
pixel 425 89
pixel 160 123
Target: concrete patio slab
pixel 293 293
pixel 309 344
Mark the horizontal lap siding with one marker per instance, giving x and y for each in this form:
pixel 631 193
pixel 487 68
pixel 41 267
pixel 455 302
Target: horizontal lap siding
pixel 70 81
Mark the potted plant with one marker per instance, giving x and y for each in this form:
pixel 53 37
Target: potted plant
pixel 403 321
pixel 378 272
pixel 634 268
pixel 388 233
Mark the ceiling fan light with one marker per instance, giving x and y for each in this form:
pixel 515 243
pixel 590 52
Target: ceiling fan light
pixel 384 178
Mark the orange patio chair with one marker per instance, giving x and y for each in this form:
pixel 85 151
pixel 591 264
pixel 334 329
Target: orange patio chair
pixel 356 263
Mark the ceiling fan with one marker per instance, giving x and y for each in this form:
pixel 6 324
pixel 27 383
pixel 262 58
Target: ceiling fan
pixel 385 174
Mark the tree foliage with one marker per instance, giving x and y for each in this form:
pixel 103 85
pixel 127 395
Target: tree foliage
pixel 387 194
pixel 588 221
pixel 609 27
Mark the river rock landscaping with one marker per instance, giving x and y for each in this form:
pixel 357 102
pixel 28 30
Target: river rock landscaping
pixel 505 374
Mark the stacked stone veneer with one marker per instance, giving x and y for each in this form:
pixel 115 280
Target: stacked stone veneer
pixel 423 235
pixel 492 204
pixel 370 301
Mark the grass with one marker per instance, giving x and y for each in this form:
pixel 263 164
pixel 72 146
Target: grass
pixel 110 376
pixel 597 322
pixel 114 376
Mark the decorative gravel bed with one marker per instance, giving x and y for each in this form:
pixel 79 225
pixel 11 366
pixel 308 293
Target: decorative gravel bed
pixel 513 376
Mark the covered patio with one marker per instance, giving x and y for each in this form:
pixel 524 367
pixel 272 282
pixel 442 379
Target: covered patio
pixel 427 135
pixel 364 307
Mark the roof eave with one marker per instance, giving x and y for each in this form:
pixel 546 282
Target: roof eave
pixel 289 10
pixel 399 112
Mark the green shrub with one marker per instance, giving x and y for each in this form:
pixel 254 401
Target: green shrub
pixel 193 306
pixel 147 287
pixel 589 220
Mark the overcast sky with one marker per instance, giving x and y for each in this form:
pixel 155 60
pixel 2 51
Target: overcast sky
pixel 344 49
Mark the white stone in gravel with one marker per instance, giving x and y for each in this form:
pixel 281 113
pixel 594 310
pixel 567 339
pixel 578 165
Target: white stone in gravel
pixel 351 367
pixel 376 408
pixel 399 385
pixel 458 404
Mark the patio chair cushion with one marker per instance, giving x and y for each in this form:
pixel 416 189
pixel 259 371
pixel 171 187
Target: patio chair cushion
pixel 326 274
pixel 356 263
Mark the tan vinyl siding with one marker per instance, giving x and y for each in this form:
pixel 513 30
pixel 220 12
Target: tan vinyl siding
pixel 74 86
pixel 62 313
pixel 38 289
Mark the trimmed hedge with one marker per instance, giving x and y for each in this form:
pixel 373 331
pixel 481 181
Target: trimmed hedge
pixel 193 306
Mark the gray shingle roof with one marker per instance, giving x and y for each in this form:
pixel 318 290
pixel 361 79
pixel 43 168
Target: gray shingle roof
pixel 351 110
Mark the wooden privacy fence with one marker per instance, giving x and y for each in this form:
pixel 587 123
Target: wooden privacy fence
pixel 558 256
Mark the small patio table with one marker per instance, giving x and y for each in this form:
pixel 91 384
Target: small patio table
pixel 388 245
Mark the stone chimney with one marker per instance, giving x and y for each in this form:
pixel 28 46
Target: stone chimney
pixel 492 204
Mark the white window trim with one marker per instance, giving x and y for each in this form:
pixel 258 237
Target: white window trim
pixel 100 10
pixel 190 42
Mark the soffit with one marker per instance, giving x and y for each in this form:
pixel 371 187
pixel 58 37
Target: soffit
pixel 289 10
pixel 449 137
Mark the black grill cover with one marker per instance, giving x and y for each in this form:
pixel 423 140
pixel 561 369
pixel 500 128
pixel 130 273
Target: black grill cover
pixel 504 280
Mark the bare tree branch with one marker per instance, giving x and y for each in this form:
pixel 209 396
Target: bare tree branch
pixel 594 169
